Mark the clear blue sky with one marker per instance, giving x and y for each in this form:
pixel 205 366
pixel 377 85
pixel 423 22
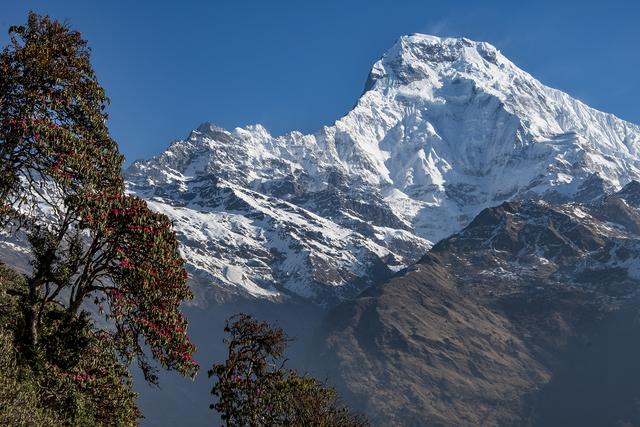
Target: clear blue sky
pixel 300 64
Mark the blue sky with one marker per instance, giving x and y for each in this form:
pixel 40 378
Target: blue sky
pixel 170 65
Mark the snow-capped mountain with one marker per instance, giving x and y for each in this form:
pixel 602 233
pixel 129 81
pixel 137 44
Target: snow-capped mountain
pixel 444 128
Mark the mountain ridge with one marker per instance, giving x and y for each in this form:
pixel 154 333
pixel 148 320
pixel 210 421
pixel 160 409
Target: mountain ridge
pixel 495 325
pixel 445 128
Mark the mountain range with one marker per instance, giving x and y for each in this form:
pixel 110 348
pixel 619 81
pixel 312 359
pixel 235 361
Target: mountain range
pixel 462 248
pixel 445 128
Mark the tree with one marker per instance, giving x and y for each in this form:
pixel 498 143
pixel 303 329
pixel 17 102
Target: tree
pixel 62 185
pixel 134 264
pixel 254 389
pixel 55 142
pixel 81 381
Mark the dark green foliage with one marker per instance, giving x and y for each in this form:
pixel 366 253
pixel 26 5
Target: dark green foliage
pixel 254 389
pixel 18 390
pixel 52 118
pixel 96 244
pixel 61 185
pixel 19 395
pixel 75 377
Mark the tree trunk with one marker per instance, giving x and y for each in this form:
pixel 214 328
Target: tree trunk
pixel 31 313
pixel 32 319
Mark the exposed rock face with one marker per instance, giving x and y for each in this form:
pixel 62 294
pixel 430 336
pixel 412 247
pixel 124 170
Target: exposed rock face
pixel 473 333
pixel 445 128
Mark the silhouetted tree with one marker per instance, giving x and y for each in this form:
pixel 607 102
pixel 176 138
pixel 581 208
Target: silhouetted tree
pixel 254 389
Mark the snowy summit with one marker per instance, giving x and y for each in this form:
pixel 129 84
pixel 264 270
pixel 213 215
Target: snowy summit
pixel 444 128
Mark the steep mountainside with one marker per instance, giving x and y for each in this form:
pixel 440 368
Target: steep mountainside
pixel 445 128
pixel 495 323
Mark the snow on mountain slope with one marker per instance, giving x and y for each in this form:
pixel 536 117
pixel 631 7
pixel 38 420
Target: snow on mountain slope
pixel 246 241
pixel 478 331
pixel 445 128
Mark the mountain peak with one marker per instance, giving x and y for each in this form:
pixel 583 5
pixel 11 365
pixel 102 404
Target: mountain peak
pixel 422 41
pixel 422 57
pixel 447 127
pixel 208 129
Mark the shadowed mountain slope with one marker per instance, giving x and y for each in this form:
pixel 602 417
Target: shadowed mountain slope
pixel 522 318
